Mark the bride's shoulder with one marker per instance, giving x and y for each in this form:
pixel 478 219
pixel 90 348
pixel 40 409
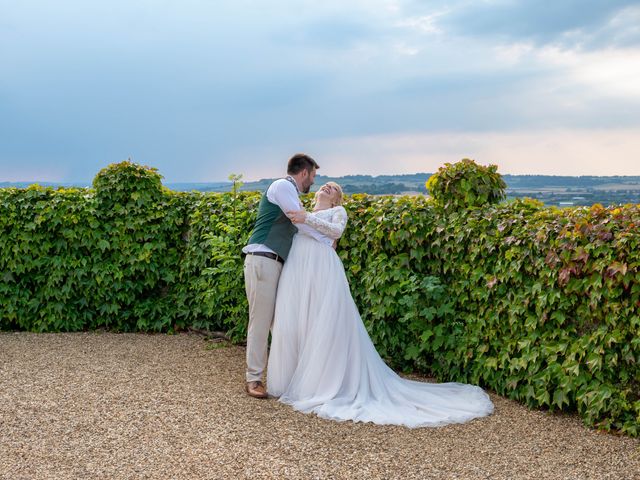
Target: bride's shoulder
pixel 340 210
pixel 337 211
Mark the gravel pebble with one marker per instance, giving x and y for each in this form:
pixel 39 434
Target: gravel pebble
pixel 134 406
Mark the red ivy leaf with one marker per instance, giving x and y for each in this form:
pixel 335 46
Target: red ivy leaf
pixel 564 275
pixel 615 268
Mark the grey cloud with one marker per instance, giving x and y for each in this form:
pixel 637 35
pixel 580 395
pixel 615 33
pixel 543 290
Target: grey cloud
pixel 179 93
pixel 569 22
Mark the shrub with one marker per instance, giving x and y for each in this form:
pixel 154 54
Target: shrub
pixel 127 184
pixel 466 184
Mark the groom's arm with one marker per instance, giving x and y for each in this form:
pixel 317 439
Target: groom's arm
pixel 284 194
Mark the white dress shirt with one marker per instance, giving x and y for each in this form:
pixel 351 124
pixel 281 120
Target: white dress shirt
pixel 284 194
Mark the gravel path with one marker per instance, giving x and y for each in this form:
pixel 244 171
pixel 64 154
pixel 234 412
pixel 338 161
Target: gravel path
pixel 101 405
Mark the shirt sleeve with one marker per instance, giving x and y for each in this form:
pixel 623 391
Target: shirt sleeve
pixel 332 229
pixel 284 194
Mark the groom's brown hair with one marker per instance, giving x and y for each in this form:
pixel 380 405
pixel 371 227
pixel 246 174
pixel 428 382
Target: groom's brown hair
pixel 299 162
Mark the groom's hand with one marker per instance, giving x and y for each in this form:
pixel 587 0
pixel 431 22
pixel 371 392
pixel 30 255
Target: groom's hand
pixel 297 216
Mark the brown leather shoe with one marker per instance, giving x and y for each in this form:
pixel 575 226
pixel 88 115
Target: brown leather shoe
pixel 256 390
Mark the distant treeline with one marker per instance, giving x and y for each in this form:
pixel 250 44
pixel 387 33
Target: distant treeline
pixel 542 181
pixel 397 184
pixel 391 184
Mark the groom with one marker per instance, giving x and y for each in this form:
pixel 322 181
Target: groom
pixel 266 253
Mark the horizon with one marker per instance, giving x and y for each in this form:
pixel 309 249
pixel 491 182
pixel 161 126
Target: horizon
pixel 319 175
pixel 198 89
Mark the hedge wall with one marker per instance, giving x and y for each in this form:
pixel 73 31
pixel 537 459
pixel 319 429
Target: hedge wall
pixel 539 304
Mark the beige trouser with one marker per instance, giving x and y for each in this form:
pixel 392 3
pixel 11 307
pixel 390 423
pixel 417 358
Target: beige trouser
pixel 261 277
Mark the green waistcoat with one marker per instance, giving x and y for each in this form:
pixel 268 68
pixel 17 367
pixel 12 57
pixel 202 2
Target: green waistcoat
pixel 273 228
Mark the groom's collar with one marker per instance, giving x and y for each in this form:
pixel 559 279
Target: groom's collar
pixel 292 180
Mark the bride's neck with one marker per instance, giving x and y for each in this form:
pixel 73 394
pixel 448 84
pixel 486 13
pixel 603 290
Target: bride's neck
pixel 322 205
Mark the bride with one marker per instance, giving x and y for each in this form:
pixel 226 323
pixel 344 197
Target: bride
pixel 322 359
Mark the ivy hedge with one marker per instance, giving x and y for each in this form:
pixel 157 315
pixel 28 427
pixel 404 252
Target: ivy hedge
pixel 539 304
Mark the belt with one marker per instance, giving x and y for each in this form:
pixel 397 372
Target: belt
pixel 272 256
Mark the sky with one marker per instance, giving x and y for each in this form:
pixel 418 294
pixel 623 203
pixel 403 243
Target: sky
pixel 202 89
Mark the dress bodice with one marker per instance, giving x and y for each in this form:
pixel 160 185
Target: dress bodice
pixel 330 222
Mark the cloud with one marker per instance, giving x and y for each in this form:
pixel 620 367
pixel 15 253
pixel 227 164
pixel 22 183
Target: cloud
pixel 568 23
pixel 552 152
pixel 544 152
pixel 611 73
pixel 192 87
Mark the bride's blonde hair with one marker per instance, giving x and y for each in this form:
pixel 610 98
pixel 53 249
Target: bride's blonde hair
pixel 340 196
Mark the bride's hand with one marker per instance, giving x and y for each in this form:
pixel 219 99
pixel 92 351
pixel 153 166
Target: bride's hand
pixel 297 216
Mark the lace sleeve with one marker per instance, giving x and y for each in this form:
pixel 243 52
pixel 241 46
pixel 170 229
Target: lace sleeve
pixel 333 228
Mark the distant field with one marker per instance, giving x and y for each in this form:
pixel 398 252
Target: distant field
pixel 539 190
pixel 549 189
pixel 618 186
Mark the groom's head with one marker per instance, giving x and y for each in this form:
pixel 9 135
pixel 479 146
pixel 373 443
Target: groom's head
pixel 303 169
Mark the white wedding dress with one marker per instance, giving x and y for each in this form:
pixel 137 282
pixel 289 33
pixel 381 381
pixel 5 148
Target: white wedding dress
pixel 322 359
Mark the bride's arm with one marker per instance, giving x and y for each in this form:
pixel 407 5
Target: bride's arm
pixel 332 229
pixel 283 194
